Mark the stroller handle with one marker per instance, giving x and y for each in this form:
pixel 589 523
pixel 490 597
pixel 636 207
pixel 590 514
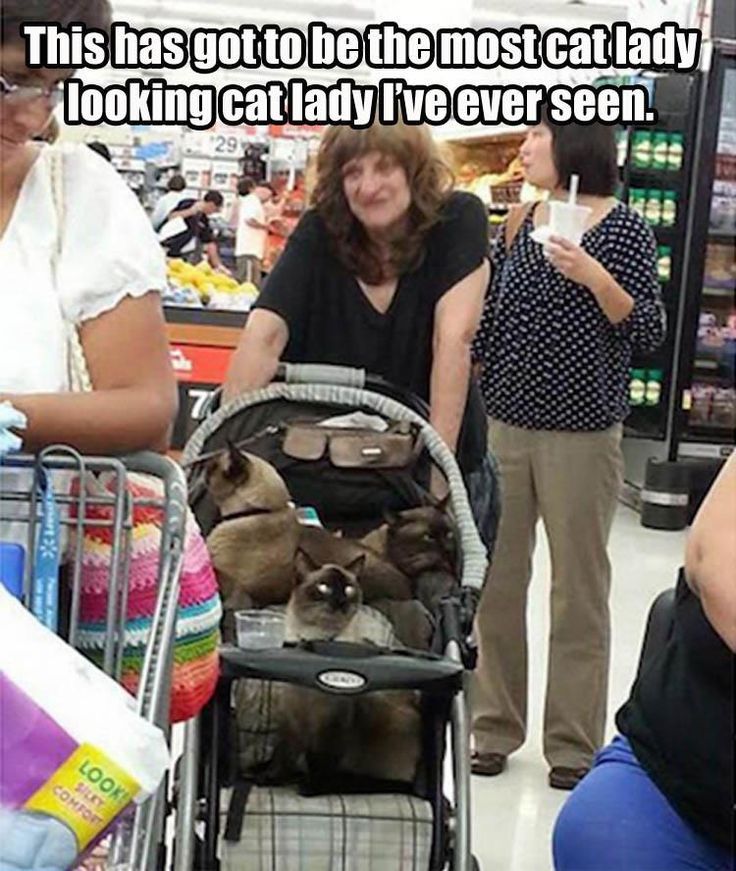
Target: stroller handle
pixel 321 373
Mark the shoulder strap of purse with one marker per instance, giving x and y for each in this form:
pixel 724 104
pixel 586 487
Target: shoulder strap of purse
pixel 517 216
pixel 79 377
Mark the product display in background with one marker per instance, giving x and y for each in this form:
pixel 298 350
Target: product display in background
pixel 708 411
pixel 202 287
pixel 73 752
pixel 654 162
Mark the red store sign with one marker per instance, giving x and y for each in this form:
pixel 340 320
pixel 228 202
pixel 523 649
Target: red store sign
pixel 199 363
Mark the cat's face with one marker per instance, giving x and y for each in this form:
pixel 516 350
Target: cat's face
pixel 327 596
pixel 422 539
pixel 238 481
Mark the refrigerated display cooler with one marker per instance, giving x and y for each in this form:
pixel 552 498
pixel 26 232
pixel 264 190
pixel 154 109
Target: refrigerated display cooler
pixel 693 423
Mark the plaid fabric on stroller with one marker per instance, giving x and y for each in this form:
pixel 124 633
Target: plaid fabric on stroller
pixel 249 826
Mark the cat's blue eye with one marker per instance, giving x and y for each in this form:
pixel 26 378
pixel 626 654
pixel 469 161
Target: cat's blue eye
pixel 350 592
pixel 324 589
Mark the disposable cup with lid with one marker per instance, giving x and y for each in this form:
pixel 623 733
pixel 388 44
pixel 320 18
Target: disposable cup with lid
pixel 568 220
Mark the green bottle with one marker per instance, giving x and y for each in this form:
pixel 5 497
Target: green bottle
pixel 653 207
pixel 675 151
pixel 664 263
pixel 637 200
pixel 653 389
pixel 637 386
pixel 641 149
pixel 660 146
pixel 669 209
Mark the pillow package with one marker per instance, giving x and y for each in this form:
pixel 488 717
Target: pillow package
pixel 73 752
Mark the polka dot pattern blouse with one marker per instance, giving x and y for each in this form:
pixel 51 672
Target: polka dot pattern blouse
pixel 551 358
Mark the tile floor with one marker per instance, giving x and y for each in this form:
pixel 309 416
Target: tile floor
pixel 513 814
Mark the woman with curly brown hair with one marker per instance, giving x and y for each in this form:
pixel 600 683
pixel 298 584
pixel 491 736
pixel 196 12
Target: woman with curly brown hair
pixel 387 272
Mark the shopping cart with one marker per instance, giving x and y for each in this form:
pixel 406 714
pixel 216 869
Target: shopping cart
pixel 137 844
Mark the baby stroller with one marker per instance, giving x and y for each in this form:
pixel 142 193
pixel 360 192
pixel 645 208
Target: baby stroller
pixel 425 830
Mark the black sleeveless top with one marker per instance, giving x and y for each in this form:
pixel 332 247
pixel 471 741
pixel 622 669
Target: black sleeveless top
pixel 680 723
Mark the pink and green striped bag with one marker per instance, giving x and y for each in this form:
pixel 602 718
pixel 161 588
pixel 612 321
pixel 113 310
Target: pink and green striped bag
pixel 196 668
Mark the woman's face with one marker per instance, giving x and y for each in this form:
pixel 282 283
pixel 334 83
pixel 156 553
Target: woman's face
pixel 377 190
pixel 23 119
pixel 536 158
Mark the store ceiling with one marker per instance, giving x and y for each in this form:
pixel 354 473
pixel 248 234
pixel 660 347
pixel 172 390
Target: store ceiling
pixel 189 14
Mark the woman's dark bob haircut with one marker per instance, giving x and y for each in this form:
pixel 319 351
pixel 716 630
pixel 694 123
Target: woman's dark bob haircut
pixel 92 13
pixel 586 150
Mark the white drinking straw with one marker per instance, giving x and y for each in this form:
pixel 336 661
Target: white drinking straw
pixel 574 181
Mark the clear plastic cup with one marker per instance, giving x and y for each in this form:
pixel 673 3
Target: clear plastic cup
pixel 259 630
pixel 568 221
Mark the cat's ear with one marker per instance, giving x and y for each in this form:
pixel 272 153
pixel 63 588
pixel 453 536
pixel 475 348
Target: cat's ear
pixel 304 565
pixel 237 464
pixel 356 565
pixel 393 518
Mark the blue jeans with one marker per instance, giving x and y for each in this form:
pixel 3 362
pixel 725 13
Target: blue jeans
pixel 484 494
pixel 617 820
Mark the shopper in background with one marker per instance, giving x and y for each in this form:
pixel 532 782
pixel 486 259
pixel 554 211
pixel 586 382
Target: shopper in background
pixel 252 232
pixel 386 272
pixel 187 232
pixel 56 284
pixel 555 343
pixel 175 193
pixel 661 795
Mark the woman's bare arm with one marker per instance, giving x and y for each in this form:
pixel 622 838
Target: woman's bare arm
pixel 455 323
pixel 134 400
pixel 710 556
pixel 257 357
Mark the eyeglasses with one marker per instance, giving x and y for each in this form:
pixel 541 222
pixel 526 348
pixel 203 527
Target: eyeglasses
pixel 16 94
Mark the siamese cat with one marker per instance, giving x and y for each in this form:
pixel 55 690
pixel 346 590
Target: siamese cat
pixel 334 742
pixel 379 578
pixel 252 547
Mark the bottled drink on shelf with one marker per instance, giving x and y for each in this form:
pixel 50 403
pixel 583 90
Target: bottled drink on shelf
pixel 675 151
pixel 660 145
pixel 653 207
pixel 669 209
pixel 641 149
pixel 637 386
pixel 653 390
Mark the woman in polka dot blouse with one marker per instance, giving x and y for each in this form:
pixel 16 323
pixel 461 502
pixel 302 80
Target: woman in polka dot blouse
pixel 555 345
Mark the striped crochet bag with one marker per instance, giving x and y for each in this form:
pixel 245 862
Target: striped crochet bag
pixel 196 669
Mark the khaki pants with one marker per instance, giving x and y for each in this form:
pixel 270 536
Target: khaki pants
pixel 572 480
pixel 248 267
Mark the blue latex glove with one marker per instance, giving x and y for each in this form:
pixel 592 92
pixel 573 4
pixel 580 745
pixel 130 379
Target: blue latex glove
pixel 33 842
pixel 9 441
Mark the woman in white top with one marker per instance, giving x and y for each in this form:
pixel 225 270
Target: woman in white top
pixel 96 269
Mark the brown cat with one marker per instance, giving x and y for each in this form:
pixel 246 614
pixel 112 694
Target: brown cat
pixel 418 540
pixel 253 546
pixel 422 543
pixel 332 739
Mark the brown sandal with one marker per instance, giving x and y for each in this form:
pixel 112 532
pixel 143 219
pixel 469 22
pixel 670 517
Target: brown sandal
pixel 487 764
